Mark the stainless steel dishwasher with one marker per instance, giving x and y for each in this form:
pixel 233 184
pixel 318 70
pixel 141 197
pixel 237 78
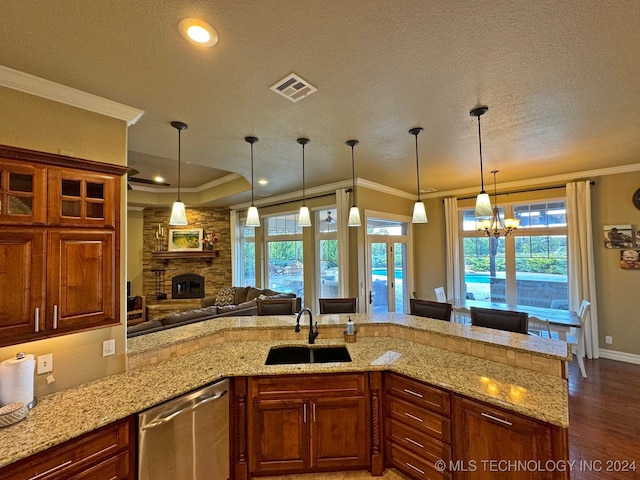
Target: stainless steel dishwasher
pixel 186 438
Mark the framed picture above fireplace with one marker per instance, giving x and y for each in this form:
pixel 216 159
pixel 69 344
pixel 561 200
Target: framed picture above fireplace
pixel 185 240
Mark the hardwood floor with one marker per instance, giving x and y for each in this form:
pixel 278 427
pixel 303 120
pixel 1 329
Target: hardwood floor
pixel 604 419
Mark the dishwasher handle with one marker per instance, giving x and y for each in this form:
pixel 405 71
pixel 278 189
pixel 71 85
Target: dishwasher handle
pixel 168 418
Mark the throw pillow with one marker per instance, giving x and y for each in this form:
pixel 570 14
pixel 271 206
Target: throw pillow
pixel 241 295
pixel 225 296
pixel 253 293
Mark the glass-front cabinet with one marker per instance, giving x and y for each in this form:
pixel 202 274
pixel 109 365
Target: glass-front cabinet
pixel 22 193
pixel 59 244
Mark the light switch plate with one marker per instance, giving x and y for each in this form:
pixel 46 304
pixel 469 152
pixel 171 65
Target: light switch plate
pixel 45 363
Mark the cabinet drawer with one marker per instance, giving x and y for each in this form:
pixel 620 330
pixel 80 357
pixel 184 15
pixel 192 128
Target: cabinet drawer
pixel 418 442
pixel 299 386
pixel 112 468
pixel 419 418
pixel 415 467
pixel 72 457
pixel 418 393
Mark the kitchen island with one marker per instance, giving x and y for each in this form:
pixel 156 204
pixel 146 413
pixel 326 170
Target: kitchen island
pixel 522 374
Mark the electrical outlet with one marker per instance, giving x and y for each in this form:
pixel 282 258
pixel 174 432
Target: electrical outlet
pixel 109 347
pixel 608 340
pixel 45 363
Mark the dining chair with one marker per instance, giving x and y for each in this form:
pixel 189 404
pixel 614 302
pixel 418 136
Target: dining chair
pixel 338 305
pixel 578 340
pixel 539 327
pixel 276 306
pixel 459 314
pixel 427 308
pixel 507 320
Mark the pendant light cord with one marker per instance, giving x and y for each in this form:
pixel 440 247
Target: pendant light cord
pixel 480 147
pixel 303 199
pixel 353 176
pixel 417 167
pixel 179 161
pixel 252 174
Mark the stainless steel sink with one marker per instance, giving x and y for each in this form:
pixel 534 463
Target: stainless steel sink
pixel 307 354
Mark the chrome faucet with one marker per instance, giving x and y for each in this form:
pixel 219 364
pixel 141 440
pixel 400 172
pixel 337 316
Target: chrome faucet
pixel 312 333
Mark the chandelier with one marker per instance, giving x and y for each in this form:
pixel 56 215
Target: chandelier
pixel 495 226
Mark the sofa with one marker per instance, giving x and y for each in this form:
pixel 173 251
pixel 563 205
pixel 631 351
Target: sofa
pixel 228 302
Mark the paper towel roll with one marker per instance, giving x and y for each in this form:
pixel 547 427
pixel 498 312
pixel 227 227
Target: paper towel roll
pixel 16 380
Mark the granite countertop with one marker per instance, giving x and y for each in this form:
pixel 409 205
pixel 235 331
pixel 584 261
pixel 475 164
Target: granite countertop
pixel 70 413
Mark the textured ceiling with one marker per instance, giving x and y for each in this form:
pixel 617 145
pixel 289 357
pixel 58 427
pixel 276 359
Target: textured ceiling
pixel 561 79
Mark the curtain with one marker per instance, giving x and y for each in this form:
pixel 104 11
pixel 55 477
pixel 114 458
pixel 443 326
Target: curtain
pixel 342 212
pixel 452 250
pixel 582 284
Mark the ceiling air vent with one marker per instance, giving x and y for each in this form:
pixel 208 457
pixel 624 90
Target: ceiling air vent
pixel 293 87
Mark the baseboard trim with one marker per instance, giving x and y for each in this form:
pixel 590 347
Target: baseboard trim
pixel 620 356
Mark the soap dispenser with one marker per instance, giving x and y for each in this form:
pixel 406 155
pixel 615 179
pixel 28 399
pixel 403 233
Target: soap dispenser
pixel 350 332
pixel 351 328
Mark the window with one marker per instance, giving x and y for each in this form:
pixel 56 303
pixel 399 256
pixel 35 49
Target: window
pixel 527 268
pixel 246 258
pixel 327 252
pixel 285 266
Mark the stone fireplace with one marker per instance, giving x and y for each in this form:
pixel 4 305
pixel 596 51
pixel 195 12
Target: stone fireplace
pixel 187 285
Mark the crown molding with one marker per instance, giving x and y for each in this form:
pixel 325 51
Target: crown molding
pixel 541 181
pixel 40 87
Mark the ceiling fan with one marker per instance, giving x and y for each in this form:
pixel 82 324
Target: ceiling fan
pixel 329 218
pixel 131 178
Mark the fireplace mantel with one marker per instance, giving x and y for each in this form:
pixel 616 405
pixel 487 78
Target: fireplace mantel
pixel 165 257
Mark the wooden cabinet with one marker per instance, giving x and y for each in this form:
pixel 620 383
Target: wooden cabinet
pixel 417 427
pixel 59 244
pixel 106 453
pixel 485 434
pixel 81 199
pixel 23 189
pixel 304 423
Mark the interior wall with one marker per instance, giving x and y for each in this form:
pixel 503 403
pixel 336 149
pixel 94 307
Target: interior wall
pixel 135 225
pixel 617 288
pixel 35 123
pixel 429 246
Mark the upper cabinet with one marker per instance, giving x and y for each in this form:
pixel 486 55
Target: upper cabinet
pixel 81 199
pixel 23 193
pixel 59 244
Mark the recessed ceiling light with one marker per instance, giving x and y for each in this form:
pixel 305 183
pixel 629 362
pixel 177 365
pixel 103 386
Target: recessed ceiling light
pixel 263 181
pixel 158 179
pixel 198 32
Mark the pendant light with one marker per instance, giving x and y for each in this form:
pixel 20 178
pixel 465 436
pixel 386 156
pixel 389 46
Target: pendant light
pixel 178 213
pixel 495 227
pixel 419 212
pixel 253 219
pixel 483 203
pixel 354 212
pixel 304 219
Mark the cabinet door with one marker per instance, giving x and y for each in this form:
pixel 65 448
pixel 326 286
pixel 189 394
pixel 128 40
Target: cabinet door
pixel 484 433
pixel 23 193
pixel 339 433
pixel 22 283
pixel 279 436
pixel 82 199
pixel 81 291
